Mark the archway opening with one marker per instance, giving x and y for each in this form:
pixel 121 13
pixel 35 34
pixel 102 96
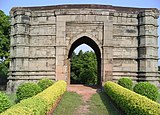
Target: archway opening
pixel 85 66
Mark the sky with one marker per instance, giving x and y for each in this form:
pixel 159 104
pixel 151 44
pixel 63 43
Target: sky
pixel 6 5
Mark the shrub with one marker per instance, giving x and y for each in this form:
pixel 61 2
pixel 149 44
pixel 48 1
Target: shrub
pixel 27 90
pixel 126 82
pixel 45 83
pixel 57 89
pixel 17 111
pixel 147 89
pixel 34 105
pixel 4 102
pixel 40 103
pixel 130 102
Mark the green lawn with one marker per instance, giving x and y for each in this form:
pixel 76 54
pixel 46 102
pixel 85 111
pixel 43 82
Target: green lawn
pixel 101 105
pixel 70 101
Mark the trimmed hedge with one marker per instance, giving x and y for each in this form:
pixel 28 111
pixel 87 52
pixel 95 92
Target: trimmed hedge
pixel 147 89
pixel 39 104
pixel 126 82
pixel 45 83
pixel 53 93
pixel 130 102
pixel 4 102
pixel 27 90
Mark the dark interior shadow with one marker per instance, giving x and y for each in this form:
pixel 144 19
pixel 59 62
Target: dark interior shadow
pixel 110 106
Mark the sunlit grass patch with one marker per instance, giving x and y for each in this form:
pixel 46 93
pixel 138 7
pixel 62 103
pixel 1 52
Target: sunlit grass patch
pixel 70 101
pixel 101 105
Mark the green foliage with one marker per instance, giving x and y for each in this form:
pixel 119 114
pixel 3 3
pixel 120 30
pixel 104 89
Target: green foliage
pixel 30 106
pixel 147 89
pixel 4 35
pixel 4 46
pixel 12 97
pixel 4 65
pixel 40 103
pixel 57 90
pixel 84 68
pixel 130 102
pixel 38 106
pixel 158 100
pixel 17 110
pixel 27 90
pixel 88 77
pixel 4 102
pixel 45 83
pixel 126 82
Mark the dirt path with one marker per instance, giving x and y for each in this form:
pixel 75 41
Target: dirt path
pixel 86 93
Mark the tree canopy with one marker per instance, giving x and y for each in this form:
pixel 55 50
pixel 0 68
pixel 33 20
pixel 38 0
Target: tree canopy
pixel 4 46
pixel 4 35
pixel 84 68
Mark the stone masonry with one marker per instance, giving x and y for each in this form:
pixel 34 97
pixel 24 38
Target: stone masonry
pixel 124 39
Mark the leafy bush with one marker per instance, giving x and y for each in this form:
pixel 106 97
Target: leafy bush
pixel 52 93
pixel 40 103
pixel 45 83
pixel 147 89
pixel 17 111
pixel 27 90
pixel 130 102
pixel 36 107
pixel 89 77
pixel 126 82
pixel 4 65
pixel 4 102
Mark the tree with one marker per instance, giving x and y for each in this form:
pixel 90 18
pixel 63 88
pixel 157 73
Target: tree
pixel 84 68
pixel 4 46
pixel 4 35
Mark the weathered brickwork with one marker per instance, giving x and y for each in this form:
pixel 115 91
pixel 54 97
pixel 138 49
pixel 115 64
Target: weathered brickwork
pixel 125 41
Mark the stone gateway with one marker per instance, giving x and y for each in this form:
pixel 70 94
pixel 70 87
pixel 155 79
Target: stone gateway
pixel 124 39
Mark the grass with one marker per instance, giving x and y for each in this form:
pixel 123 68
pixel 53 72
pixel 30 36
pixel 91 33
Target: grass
pixel 101 105
pixel 70 101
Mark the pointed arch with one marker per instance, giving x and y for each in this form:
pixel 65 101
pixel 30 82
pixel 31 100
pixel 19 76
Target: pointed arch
pixel 94 44
pixel 85 38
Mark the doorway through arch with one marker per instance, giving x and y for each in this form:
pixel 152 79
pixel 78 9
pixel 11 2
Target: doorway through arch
pixel 88 41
